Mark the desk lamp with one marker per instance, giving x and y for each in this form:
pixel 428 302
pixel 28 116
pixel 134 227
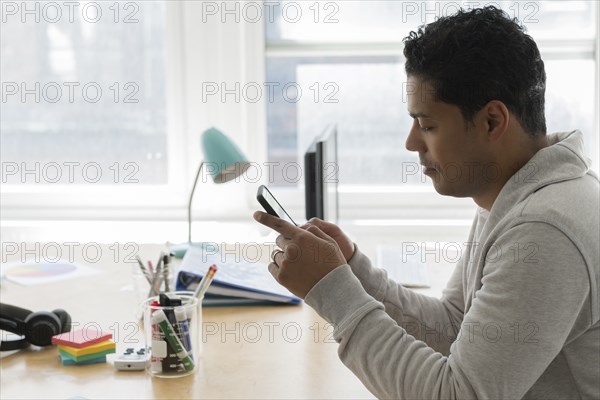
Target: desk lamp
pixel 226 162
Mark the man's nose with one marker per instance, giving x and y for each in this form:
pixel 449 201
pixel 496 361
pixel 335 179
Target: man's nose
pixel 414 142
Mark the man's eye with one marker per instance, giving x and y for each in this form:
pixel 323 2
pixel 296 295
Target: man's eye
pixel 425 128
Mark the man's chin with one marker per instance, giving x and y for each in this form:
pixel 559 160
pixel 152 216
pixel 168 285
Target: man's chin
pixel 448 189
pixel 442 187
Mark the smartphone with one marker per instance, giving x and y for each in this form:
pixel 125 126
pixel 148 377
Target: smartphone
pixel 271 205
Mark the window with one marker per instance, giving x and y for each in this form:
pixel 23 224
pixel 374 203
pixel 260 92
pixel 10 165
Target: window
pixel 346 58
pixel 83 93
pixel 93 111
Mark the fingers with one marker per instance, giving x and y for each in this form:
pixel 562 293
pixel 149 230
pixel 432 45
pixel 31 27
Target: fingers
pixel 323 225
pixel 278 258
pixel 312 222
pixel 316 221
pixel 274 267
pixel 315 230
pixel 274 270
pixel 327 227
pixel 282 242
pixel 277 224
pixel 299 262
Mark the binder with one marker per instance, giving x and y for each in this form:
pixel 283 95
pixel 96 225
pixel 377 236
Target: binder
pixel 237 282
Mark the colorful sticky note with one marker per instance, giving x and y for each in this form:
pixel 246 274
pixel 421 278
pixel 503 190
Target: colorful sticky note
pixel 67 361
pixel 81 338
pixel 85 357
pixel 94 348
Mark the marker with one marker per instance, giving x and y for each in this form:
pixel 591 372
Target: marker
pixel 205 282
pixel 161 320
pixel 184 327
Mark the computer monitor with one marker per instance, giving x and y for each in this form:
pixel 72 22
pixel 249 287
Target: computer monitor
pixel 321 175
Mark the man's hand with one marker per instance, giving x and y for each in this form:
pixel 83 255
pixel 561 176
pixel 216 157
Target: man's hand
pixel 306 255
pixel 343 241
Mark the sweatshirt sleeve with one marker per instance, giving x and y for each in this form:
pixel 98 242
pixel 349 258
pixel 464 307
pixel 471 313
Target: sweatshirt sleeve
pixel 517 324
pixel 434 321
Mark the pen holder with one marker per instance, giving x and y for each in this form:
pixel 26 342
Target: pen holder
pixel 171 335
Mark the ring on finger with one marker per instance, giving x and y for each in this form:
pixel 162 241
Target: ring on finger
pixel 274 254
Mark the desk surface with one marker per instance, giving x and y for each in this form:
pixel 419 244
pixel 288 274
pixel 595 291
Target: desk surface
pixel 250 352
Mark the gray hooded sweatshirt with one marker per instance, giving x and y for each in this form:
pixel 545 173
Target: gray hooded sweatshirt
pixel 519 317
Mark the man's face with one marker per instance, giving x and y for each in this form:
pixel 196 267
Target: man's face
pixel 454 154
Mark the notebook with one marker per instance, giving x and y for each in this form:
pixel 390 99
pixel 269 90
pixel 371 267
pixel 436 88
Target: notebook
pixel 237 282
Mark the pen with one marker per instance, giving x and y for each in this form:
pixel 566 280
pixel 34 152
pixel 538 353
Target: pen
pixel 155 285
pixel 206 281
pixel 160 258
pixel 144 272
pixel 165 260
pixel 161 320
pixel 150 265
pixel 150 271
pixel 158 271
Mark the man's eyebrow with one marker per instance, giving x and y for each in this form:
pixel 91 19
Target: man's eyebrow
pixel 418 115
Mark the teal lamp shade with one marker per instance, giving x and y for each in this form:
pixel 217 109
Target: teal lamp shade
pixel 223 160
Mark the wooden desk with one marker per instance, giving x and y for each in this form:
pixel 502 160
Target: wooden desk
pixel 248 352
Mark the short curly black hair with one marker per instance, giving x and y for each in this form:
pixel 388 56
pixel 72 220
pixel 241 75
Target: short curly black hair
pixel 480 55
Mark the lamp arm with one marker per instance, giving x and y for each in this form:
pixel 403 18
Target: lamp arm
pixel 189 213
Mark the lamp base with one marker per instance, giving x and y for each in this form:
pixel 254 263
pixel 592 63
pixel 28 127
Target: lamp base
pixel 179 250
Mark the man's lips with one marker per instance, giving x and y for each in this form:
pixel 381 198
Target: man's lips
pixel 427 170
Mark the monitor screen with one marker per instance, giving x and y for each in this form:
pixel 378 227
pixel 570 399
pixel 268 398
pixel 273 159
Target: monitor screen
pixel 321 175
pixel 310 182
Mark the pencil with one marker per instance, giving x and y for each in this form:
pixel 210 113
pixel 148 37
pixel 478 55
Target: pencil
pixel 205 282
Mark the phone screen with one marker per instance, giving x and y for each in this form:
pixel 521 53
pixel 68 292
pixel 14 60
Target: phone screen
pixel 271 205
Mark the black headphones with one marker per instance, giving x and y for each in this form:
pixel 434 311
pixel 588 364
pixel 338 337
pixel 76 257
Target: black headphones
pixel 36 327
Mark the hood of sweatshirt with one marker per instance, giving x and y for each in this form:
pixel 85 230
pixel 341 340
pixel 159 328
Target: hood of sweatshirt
pixel 565 150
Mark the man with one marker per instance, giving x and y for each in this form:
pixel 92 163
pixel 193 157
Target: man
pixel 519 317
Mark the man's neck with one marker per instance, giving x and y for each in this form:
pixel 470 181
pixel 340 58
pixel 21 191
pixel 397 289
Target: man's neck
pixel 523 152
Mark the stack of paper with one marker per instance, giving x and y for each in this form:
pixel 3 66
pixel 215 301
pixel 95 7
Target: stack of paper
pixel 84 346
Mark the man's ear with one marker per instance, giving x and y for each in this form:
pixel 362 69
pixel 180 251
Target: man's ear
pixel 497 119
